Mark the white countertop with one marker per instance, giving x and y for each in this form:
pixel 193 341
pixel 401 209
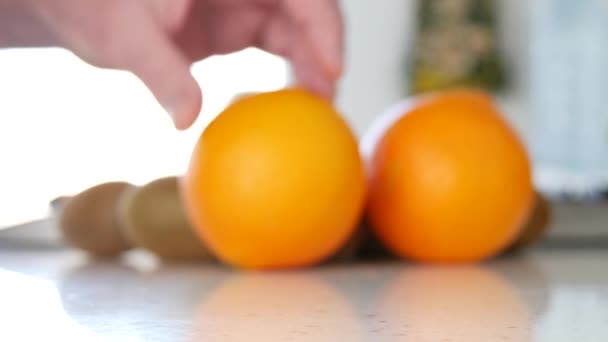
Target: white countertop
pixel 547 295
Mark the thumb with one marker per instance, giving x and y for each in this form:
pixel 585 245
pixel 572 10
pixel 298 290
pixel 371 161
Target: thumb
pixel 159 64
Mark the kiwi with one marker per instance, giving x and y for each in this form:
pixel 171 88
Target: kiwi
pixel 88 220
pixel 536 226
pixel 154 219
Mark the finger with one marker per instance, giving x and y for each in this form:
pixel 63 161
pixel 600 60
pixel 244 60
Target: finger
pixel 282 37
pixel 309 73
pixel 277 36
pixel 322 25
pixel 148 52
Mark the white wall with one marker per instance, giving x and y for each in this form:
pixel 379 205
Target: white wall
pixel 378 34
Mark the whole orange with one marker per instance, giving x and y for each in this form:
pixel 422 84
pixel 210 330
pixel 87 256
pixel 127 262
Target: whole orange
pixel 275 181
pixel 450 180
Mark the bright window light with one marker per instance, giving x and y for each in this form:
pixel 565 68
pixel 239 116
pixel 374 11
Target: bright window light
pixel 65 125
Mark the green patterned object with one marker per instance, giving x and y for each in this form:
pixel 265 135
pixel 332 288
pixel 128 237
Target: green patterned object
pixel 456 45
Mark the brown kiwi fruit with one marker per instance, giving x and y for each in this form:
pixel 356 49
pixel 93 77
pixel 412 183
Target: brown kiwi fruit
pixel 536 226
pixel 154 219
pixel 88 220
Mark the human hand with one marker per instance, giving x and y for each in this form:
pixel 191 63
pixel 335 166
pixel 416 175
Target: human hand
pixel 158 40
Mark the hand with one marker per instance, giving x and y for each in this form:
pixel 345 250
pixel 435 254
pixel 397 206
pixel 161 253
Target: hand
pixel 158 40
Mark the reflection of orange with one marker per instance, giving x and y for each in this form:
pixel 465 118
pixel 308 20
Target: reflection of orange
pixel 275 181
pixel 276 307
pixel 454 304
pixel 449 180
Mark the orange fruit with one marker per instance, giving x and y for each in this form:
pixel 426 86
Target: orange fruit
pixel 275 181
pixel 450 181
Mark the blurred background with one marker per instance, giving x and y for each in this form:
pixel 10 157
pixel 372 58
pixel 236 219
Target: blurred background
pixel 65 125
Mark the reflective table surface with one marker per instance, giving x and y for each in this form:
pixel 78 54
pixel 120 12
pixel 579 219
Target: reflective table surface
pixel 550 295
